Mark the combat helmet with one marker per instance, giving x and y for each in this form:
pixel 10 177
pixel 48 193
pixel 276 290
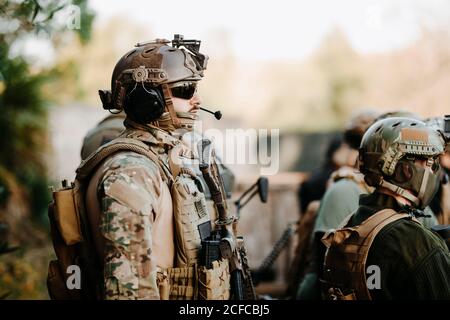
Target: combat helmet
pixel 387 157
pixel 157 65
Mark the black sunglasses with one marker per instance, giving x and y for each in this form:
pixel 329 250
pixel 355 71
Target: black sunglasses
pixel 184 91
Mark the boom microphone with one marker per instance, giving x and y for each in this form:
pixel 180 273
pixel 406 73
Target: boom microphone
pixel 217 114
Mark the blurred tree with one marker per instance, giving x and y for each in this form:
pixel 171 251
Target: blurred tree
pixel 23 132
pixel 90 65
pixel 23 116
pixel 318 94
pixel 343 78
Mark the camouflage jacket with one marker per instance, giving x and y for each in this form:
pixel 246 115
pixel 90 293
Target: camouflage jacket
pixel 133 230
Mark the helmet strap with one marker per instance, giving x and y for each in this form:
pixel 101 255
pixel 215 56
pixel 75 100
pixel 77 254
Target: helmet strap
pixel 164 122
pixel 423 186
pixel 400 191
pixel 169 106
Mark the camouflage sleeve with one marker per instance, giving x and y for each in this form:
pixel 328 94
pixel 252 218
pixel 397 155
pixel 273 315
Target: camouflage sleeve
pixel 128 192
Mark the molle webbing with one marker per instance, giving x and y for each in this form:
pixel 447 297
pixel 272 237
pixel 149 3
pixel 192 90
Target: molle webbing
pixel 348 249
pixel 177 283
pixel 195 282
pixel 169 105
pixel 214 283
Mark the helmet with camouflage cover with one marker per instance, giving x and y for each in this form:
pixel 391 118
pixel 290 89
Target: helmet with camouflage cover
pixel 156 67
pixel 400 113
pixel 388 154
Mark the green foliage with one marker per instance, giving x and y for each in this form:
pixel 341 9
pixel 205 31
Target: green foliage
pixel 344 83
pixel 87 17
pixel 33 16
pixel 23 130
pixel 23 105
pixel 23 114
pixel 22 274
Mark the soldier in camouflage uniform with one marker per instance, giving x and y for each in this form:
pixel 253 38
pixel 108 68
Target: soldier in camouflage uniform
pixel 105 131
pixel 441 202
pixel 400 158
pixel 341 199
pixel 129 199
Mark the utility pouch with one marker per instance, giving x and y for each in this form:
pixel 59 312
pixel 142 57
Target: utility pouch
pixel 66 215
pixel 191 283
pixel 177 283
pixel 214 283
pixel 67 255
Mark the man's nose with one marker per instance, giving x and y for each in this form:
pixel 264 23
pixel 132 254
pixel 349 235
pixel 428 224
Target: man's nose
pixel 196 101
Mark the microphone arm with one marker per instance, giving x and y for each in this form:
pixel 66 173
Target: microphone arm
pixel 217 114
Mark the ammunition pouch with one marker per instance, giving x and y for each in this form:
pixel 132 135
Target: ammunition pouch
pixel 191 283
pixel 189 210
pixel 66 216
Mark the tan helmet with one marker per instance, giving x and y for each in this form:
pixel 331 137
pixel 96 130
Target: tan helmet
pixel 156 64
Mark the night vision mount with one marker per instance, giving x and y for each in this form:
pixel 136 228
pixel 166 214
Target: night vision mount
pixel 194 47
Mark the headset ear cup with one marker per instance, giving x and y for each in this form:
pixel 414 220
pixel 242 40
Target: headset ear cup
pixel 119 96
pixel 106 98
pixel 144 105
pixel 160 99
pixel 403 172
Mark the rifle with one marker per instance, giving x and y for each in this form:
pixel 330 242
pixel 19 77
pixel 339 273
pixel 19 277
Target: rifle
pixel 223 241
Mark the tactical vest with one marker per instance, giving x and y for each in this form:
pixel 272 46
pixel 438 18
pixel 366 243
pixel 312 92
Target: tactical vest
pixel 73 243
pixel 344 273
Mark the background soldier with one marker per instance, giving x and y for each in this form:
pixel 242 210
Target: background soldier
pixel 341 199
pixel 105 131
pixel 400 158
pixel 441 202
